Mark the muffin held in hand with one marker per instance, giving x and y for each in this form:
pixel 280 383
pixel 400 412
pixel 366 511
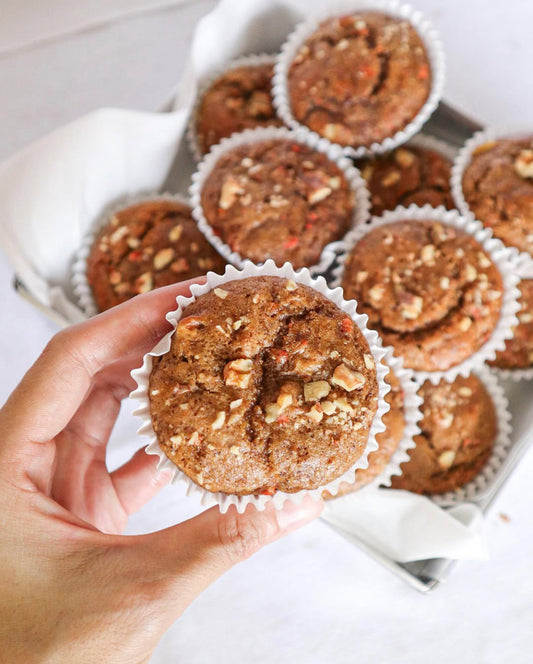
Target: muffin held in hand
pixel 238 99
pixel 459 427
pixel 267 386
pixel 428 288
pixel 359 79
pixel 277 199
pixel 145 246
pixel 406 176
pixel 498 188
pixel 518 352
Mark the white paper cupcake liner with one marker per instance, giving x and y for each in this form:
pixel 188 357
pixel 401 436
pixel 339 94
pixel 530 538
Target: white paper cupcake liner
pixel 244 61
pixel 80 285
pixel 142 376
pixel 477 488
pixel 333 153
pixel 505 259
pixel 302 31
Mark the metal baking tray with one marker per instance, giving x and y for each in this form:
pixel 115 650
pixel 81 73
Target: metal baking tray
pixel 454 128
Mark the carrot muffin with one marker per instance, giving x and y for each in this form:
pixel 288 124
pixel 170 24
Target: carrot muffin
pixel 498 188
pixel 388 441
pixel 406 176
pixel 267 386
pixel 145 246
pixel 459 428
pixel 238 99
pixel 429 289
pixel 277 199
pixel 359 79
pixel 518 352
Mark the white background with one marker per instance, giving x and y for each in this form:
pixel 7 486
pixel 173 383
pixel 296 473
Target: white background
pixel 311 598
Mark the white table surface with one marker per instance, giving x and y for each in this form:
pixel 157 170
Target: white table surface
pixel 311 598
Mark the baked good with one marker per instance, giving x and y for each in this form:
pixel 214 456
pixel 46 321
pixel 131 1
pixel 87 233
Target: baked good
pixel 428 288
pixel 277 199
pixel 359 78
pixel 407 176
pixel 518 352
pixel 238 99
pixel 145 246
pixel 459 427
pixel 498 188
pixel 267 386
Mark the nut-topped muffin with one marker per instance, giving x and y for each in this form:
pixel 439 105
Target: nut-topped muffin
pixel 459 427
pixel 267 386
pixel 408 175
pixel 518 352
pixel 359 78
pixel 428 288
pixel 498 188
pixel 277 199
pixel 238 99
pixel 144 246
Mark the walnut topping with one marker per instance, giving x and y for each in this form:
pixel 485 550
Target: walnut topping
pixel 367 171
pixel 428 254
pixel 118 234
pixel 335 182
pixel 446 459
pixel 471 273
pixel 175 233
pixel 464 391
pixel 412 307
pixel 369 361
pixel 403 157
pixel 176 441
pixel 493 295
pixel 277 201
pixel 272 411
pixel 235 404
pixel 235 449
pixel 189 324
pixel 247 162
pixel 115 277
pixel 334 355
pixel 445 420
pixel 317 195
pixel 342 44
pixel 342 404
pixel 315 413
pixel 114 221
pixel 483 260
pixel 237 373
pixel 362 275
pixel 291 285
pixel 181 265
pixel 144 283
pixel 316 390
pixel 284 399
pixel 349 380
pixel 219 420
pixel 332 131
pixel 376 292
pixel 255 298
pixel 465 323
pixel 221 293
pixel 163 258
pixel 391 178
pixel 526 317
pixel 133 242
pixel 328 407
pixel 523 164
pixel 444 283
pixel 194 439
pixel 229 192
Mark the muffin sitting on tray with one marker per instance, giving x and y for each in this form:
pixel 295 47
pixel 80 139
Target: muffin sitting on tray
pixel 518 352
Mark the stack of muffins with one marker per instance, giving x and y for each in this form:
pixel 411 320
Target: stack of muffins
pixel 309 157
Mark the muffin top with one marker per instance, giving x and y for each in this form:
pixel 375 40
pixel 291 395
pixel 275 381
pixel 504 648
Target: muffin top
pixel 498 187
pixel 145 246
pixel 430 290
pixel 406 176
pixel 267 386
pixel 459 427
pixel 359 79
pixel 518 352
pixel 238 99
pixel 277 199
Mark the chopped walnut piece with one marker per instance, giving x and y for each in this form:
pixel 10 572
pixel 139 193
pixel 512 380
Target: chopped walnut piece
pixel 369 361
pixel 348 379
pixel 446 459
pixel 315 413
pixel 291 285
pixel 316 390
pixel 483 260
pixel 376 292
pixel 133 242
pixel 115 277
pixel 237 373
pixel 464 391
pixel 342 404
pixel 194 439
pixel 163 258
pixel 284 400
pixel 118 234
pixel 317 195
pixel 444 283
pixel 180 265
pixel 229 192
pixel 465 323
pixel 219 420
pixel 235 449
pixel 144 283
pixel 523 164
pixel 221 293
pixel 362 275
pixel 272 411
pixel 176 441
pixel 412 307
pixel 391 178
pixel 470 273
pixel 277 201
pixel 428 254
pixel 403 157
pixel 328 407
pixel 175 233
pixel 235 404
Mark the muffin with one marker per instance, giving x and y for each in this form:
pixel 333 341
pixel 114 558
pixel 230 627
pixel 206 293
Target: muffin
pixel 428 288
pixel 360 78
pixel 145 246
pixel 518 352
pixel 406 176
pixel 277 199
pixel 388 441
pixel 459 427
pixel 238 99
pixel 498 188
pixel 268 386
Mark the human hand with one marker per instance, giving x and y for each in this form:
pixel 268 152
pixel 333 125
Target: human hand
pixel 73 588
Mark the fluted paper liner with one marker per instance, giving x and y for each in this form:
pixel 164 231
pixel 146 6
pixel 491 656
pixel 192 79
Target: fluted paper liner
pixel 333 153
pixel 394 8
pixel 505 259
pixel 81 287
pixel 142 376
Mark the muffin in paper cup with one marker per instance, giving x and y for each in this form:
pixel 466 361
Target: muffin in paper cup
pixel 214 281
pixel 393 8
pixel 170 250
pixel 333 154
pixel 505 260
pixel 244 61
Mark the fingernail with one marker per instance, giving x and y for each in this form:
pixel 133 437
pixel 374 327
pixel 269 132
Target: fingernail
pixel 292 516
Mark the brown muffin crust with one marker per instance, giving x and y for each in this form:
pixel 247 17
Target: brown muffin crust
pixel 238 99
pixel 359 79
pixel 459 427
pixel 498 187
pixel 429 289
pixel 518 352
pixel 388 441
pixel 145 246
pixel 267 386
pixel 277 199
pixel 406 176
